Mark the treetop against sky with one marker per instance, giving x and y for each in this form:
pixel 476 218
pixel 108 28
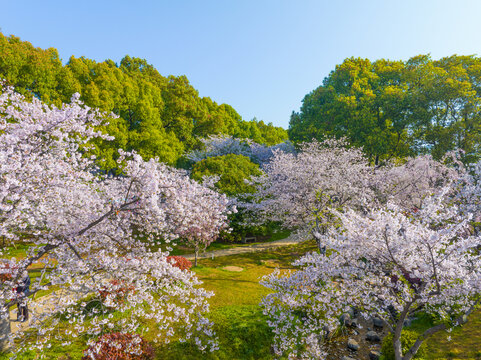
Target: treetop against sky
pixel 259 57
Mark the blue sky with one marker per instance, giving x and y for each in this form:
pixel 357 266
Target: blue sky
pixel 260 56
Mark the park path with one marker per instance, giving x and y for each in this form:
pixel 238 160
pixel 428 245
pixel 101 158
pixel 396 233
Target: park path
pixel 38 306
pixel 243 249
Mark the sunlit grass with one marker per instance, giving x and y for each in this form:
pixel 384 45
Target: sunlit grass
pixel 465 341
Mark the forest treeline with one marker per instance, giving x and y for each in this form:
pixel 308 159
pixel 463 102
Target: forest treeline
pixel 395 109
pixel 159 116
pixel 392 109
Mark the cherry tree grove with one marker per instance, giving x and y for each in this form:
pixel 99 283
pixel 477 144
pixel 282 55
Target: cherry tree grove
pixel 218 145
pixel 94 237
pixel 299 189
pixel 389 264
pixel 402 242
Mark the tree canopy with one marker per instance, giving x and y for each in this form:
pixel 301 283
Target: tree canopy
pixel 232 169
pixel 158 116
pixel 96 236
pixel 397 108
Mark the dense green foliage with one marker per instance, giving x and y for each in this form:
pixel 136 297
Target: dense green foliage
pixel 158 116
pixel 397 108
pixel 232 169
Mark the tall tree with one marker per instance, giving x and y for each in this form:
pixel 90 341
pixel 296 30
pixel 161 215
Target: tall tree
pixel 158 116
pixel 94 234
pixel 397 108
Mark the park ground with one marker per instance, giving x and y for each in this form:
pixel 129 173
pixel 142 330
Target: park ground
pixel 240 325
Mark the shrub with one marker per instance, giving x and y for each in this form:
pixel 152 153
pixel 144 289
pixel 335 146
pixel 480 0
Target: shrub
pixel 179 261
pixel 119 289
pixel 6 272
pixel 408 338
pixel 119 346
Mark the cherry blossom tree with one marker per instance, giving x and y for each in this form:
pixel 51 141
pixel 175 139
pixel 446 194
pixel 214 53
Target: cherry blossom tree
pixel 205 218
pixel 388 263
pixel 298 190
pixel 218 145
pixel 409 183
pixel 86 229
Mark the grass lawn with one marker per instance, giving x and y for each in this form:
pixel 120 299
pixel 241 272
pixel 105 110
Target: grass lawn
pixel 465 341
pixel 239 322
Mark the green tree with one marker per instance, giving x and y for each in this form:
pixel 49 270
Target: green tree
pixel 159 116
pixel 397 108
pixel 232 169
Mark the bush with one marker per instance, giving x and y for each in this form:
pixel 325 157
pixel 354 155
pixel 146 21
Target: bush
pixel 119 290
pixel 119 346
pixel 179 261
pixel 408 338
pixel 6 272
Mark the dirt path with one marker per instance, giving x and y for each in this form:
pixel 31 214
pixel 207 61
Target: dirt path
pixel 291 240
pixel 39 306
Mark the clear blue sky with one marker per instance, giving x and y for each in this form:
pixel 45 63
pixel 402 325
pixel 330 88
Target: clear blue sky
pixel 261 57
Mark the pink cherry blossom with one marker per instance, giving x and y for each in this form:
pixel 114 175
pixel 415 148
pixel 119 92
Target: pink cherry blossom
pixel 87 228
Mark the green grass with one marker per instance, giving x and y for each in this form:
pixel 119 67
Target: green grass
pixel 242 331
pixel 238 320
pixel 465 341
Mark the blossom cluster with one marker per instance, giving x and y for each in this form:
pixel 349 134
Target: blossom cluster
pixel 85 229
pixel 218 145
pixel 395 240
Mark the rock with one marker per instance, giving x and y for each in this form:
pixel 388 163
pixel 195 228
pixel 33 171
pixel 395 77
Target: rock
pixel 345 319
pixel 373 336
pixel 352 344
pixel 354 323
pixel 374 355
pixel 233 268
pixel 377 322
pixel 352 312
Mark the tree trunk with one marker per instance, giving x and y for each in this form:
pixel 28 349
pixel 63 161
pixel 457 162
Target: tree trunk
pixel 397 348
pixel 196 253
pixel 5 330
pixel 396 338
